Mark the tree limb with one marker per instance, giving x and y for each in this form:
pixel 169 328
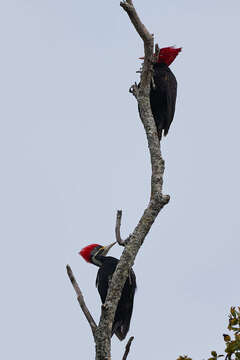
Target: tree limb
pixel 127 349
pixel 147 40
pixel 81 300
pixel 139 26
pixel 117 230
pixel 157 199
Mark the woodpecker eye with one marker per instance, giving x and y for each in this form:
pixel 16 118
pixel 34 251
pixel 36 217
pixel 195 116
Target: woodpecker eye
pixel 97 250
pixel 100 250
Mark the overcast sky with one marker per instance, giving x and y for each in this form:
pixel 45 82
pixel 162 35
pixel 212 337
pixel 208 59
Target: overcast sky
pixel 73 151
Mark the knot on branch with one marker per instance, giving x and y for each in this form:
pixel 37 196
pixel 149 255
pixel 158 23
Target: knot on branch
pixel 158 201
pixel 165 199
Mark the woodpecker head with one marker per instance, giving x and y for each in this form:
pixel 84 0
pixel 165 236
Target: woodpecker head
pixel 167 55
pixel 93 253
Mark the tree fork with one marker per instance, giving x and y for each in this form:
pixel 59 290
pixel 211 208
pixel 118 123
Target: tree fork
pixel 157 199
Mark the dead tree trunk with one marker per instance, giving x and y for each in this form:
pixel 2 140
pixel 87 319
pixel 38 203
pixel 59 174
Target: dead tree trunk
pixel 102 332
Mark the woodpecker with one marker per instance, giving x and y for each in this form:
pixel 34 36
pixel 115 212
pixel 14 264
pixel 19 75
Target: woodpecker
pixel 96 254
pixel 163 91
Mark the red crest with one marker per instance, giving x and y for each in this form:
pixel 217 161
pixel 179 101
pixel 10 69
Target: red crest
pixel 86 251
pixel 168 54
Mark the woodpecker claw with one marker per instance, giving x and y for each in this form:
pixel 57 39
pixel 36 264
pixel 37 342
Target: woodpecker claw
pixel 153 83
pixel 134 90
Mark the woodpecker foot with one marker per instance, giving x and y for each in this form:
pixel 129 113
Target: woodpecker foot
pixel 153 83
pixel 134 90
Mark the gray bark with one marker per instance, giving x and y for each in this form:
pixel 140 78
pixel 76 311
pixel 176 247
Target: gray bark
pixel 157 199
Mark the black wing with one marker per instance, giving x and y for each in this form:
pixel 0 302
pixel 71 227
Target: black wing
pixel 123 313
pixel 124 310
pixel 163 97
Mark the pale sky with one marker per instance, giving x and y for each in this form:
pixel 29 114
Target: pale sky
pixel 73 151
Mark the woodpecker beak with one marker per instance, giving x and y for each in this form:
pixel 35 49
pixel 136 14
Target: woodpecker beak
pixel 107 248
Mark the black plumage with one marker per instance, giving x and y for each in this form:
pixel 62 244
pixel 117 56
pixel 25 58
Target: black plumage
pixel 163 95
pixel 124 309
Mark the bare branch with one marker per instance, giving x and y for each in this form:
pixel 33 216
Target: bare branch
pixel 148 45
pixel 139 26
pixel 127 349
pixel 81 301
pixel 117 230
